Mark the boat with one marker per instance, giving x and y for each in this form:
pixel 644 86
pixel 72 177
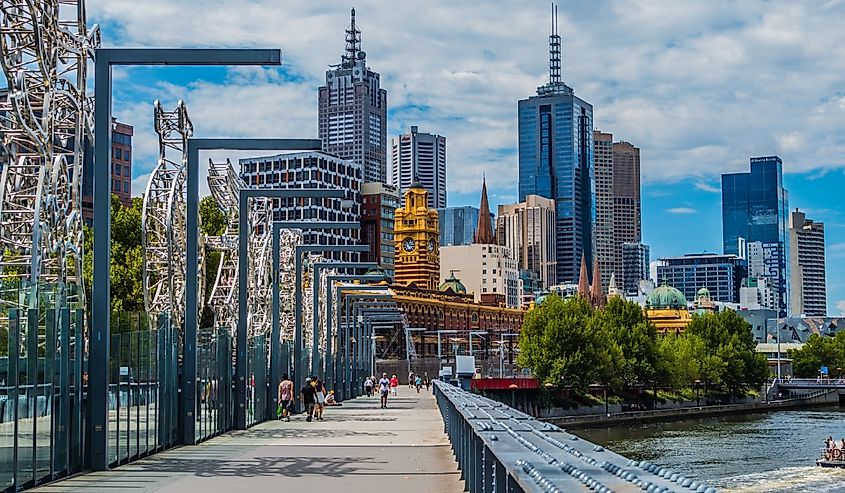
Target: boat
pixel 831 458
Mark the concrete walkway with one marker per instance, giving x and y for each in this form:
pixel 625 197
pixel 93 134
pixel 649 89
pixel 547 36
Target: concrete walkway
pixel 358 448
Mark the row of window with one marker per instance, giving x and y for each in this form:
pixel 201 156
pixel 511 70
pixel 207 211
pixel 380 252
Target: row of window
pixel 118 185
pixel 119 153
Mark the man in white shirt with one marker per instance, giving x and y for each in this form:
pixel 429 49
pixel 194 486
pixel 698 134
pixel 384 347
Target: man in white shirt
pixel 384 389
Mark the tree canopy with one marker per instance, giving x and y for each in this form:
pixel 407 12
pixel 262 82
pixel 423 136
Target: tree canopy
pixel 817 352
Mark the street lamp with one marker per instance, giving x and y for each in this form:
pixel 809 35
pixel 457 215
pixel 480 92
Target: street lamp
pixel 697 388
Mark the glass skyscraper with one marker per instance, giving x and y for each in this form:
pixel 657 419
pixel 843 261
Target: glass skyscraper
pixel 755 208
pixel 556 161
pixel 457 224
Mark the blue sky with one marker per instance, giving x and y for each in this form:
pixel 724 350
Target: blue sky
pixel 699 87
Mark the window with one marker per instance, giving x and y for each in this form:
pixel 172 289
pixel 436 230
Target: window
pixel 117 154
pixel 126 187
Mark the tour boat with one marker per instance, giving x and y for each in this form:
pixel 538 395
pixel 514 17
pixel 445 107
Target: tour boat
pixel 831 458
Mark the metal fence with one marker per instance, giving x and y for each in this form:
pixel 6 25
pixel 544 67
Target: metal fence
pixel 499 449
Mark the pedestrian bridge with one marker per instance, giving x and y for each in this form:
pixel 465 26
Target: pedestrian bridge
pixel 812 383
pixel 486 447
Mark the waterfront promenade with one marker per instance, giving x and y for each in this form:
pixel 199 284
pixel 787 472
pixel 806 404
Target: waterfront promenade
pixel 359 447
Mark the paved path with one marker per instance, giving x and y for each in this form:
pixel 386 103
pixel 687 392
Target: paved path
pixel 358 448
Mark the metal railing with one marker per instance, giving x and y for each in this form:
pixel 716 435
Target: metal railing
pixel 500 449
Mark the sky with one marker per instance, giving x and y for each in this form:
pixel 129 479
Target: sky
pixel 699 87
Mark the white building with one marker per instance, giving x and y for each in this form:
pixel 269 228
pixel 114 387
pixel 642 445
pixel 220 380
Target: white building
pixel 807 266
pixel 757 293
pixel 419 156
pixel 488 271
pixel 311 170
pixel 528 230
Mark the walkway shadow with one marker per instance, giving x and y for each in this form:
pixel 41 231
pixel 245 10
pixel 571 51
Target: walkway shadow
pixel 273 433
pixel 292 467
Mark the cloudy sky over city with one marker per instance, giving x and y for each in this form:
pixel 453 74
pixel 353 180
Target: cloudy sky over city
pixel 699 87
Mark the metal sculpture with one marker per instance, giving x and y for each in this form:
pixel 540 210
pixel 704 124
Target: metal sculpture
pixel 163 231
pixel 44 119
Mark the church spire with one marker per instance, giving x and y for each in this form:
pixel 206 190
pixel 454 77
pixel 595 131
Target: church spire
pixel 596 290
pixel 484 230
pixel 583 280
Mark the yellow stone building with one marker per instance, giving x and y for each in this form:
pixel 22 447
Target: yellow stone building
pixel 417 234
pixel 666 308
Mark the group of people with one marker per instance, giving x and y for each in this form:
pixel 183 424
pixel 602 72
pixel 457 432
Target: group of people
pixel 833 450
pixel 417 381
pixel 313 396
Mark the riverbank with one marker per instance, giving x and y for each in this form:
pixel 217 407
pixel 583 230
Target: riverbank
pixel 676 414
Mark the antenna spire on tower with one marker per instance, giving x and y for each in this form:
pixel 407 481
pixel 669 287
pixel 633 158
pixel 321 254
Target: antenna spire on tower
pixel 554 50
pixel 353 44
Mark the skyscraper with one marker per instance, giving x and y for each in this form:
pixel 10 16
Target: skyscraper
pixel 528 229
pixel 556 162
pixel 420 156
pixel 635 267
pixel 807 264
pixel 755 208
pixel 353 111
pixel 618 209
pixel 457 225
pixel 378 211
pixel 720 274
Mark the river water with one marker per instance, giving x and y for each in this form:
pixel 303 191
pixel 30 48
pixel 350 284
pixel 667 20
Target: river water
pixel 765 453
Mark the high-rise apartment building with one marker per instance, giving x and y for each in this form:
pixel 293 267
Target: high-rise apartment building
pixel 755 208
pixel 353 111
pixel 807 266
pixel 419 156
pixel 378 211
pixel 635 267
pixel 121 162
pixel 556 162
pixel 720 274
pixel 528 230
pixel 604 238
pixel 311 170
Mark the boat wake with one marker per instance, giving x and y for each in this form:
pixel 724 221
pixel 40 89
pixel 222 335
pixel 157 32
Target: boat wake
pixel 787 480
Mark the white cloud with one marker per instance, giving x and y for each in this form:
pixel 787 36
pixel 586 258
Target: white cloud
pixel 840 305
pixel 699 88
pixel 707 187
pixel 681 210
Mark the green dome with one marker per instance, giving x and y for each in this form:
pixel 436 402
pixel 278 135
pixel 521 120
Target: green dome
pixel 666 296
pixel 703 292
pixel 378 271
pixel 454 284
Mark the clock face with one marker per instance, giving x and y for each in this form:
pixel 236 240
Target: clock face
pixel 408 244
pixel 431 244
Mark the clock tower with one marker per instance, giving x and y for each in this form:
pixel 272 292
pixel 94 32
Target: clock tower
pixel 417 234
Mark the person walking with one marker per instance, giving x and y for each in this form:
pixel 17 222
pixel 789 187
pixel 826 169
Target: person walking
pixel 425 380
pixel 418 383
pixel 384 389
pixel 320 399
pixel 394 386
pixel 368 386
pixel 411 380
pixel 307 396
pixel 285 397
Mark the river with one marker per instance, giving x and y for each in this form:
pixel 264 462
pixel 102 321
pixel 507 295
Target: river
pixel 757 453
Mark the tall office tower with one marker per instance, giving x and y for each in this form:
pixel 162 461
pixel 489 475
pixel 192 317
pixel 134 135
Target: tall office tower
pixel 457 224
pixel 755 208
pixel 419 156
pixel 353 111
pixel 635 267
pixel 378 212
pixel 311 170
pixel 556 162
pixel 528 230
pixel 121 161
pixel 605 244
pixel 806 259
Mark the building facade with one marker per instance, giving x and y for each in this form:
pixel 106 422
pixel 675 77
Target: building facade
pixel 353 111
pixel 121 162
pixel 605 240
pixel 636 259
pixel 378 213
pixel 528 230
pixel 556 162
pixel 755 209
pixel 420 156
pixel 311 170
pixel 457 224
pixel 807 266
pixel 720 274
pixel 416 230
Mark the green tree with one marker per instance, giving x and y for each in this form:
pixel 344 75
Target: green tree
pixel 635 336
pixel 212 218
pixel 560 343
pixel 818 351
